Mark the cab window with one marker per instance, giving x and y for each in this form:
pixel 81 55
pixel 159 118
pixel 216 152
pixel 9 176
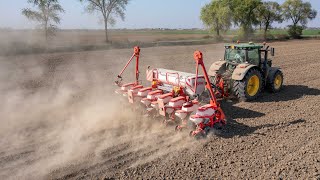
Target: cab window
pixel 235 55
pixel 253 56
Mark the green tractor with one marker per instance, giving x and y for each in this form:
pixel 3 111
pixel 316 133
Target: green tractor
pixel 245 72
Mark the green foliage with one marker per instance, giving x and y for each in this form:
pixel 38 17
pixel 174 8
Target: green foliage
pixel 47 14
pixel 245 13
pixel 268 13
pixel 109 9
pixel 217 16
pixel 295 31
pixel 300 13
pixel 244 33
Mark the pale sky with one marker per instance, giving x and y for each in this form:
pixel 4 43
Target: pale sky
pixel 139 14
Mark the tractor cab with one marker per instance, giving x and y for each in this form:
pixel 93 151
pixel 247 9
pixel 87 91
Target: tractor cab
pixel 250 53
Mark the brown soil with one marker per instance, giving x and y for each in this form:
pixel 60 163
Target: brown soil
pixel 61 120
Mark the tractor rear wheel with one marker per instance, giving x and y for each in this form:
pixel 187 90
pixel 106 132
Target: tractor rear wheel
pixel 249 88
pixel 275 82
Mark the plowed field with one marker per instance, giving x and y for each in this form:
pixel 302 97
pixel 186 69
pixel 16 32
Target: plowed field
pixel 61 120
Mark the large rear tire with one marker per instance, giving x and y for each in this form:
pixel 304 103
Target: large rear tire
pixel 275 82
pixel 249 88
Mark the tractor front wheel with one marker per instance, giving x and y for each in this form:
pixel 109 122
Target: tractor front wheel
pixel 249 88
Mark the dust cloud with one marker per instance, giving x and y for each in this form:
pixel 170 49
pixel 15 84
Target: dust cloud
pixel 57 114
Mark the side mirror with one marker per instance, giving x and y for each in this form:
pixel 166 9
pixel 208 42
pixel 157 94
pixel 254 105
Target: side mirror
pixel 272 51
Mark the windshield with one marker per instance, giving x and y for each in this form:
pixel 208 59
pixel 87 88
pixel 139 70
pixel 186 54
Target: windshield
pixel 235 55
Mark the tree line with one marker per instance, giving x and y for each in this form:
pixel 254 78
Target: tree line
pixel 220 15
pixel 46 13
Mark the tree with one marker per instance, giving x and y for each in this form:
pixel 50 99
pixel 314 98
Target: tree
pixel 47 14
pixel 245 13
pixel 299 12
pixel 109 9
pixel 269 12
pixel 217 16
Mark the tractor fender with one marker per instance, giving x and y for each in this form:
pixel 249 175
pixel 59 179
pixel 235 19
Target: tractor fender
pixel 217 67
pixel 272 71
pixel 241 70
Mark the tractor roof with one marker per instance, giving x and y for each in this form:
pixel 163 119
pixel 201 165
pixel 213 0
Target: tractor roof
pixel 243 46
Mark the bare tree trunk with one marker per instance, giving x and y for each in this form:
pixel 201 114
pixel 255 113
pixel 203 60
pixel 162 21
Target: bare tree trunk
pixel 46 30
pixel 246 31
pixel 260 26
pixel 106 29
pixel 218 32
pixel 45 12
pixel 265 31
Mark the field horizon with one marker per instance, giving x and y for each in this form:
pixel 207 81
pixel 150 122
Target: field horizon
pixel 33 41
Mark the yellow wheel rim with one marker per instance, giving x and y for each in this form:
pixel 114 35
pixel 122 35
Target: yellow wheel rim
pixel 277 82
pixel 253 85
